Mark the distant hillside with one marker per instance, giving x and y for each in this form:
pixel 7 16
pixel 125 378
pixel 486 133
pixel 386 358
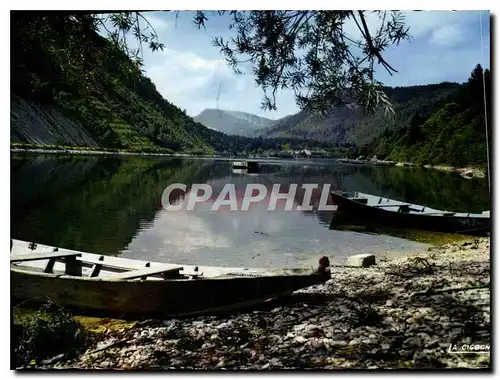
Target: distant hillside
pixel 335 126
pixel 433 124
pixel 348 124
pixel 233 122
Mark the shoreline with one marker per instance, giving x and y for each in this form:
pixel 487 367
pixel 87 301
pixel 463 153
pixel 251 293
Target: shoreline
pixel 401 313
pixel 467 172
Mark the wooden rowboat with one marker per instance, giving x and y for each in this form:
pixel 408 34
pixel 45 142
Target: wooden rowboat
pixel 117 286
pixel 370 209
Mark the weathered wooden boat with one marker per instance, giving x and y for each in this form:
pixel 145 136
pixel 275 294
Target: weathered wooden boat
pixel 118 286
pixel 369 209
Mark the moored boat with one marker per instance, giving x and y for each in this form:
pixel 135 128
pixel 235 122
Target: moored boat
pixel 118 286
pixel 370 209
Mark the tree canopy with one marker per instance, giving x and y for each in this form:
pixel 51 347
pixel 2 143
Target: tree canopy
pixel 309 52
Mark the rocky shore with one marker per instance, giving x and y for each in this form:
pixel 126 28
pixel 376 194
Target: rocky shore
pixel 467 172
pixel 401 313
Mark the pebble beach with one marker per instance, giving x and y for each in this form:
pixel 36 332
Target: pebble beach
pixel 404 312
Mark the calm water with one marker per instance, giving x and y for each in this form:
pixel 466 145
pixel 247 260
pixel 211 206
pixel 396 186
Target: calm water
pixel 111 205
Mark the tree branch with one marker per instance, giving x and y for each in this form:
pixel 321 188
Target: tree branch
pixel 373 50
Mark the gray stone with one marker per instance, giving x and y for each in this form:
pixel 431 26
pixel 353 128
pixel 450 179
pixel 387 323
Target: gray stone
pixel 313 330
pixel 337 343
pixel 362 260
pixel 275 362
pixel 300 339
pixel 412 342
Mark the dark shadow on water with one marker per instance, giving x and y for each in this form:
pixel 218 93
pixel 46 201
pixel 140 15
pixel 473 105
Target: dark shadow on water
pixel 346 223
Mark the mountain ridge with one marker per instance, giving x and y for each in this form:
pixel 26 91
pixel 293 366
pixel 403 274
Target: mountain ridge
pixel 350 125
pixel 232 122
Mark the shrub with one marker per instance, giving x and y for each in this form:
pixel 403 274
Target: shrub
pixel 48 332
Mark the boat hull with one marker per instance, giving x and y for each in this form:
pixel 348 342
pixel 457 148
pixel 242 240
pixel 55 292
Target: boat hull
pixel 154 297
pixel 357 212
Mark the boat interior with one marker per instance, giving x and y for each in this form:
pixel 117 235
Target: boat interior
pixel 405 207
pixel 39 258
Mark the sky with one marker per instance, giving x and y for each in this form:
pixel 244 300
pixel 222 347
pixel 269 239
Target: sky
pixel 192 74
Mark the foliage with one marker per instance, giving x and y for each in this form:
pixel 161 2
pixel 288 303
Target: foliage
pixel 310 52
pixel 48 332
pixel 453 133
pixel 125 22
pixel 60 61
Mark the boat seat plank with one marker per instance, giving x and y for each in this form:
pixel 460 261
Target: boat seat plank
pixel 360 200
pixel 73 266
pixel 144 273
pixel 107 264
pixel 193 274
pixel 96 267
pixel 42 256
pixel 442 213
pixel 99 263
pixel 404 208
pixel 391 205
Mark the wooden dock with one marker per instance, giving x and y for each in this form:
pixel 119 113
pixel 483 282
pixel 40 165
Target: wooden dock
pixel 251 166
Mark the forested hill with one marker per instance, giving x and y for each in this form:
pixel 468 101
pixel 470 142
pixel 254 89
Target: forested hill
pixel 350 124
pixel 70 86
pixel 433 124
pixel 453 133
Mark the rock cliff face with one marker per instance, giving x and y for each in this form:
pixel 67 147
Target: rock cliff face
pixel 37 124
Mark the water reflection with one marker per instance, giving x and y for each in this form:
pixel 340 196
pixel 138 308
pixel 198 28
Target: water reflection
pixel 112 205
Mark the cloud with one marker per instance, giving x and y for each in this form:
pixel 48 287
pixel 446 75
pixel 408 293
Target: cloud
pixel 190 81
pixel 192 74
pixel 424 22
pixel 185 77
pixel 448 36
pixel 160 24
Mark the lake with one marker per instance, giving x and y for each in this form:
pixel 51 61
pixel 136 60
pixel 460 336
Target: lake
pixel 112 205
